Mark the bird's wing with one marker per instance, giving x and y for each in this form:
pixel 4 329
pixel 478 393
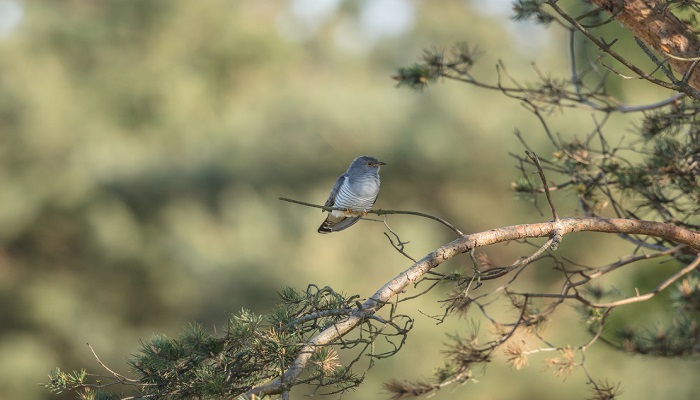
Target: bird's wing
pixel 334 192
pixel 344 223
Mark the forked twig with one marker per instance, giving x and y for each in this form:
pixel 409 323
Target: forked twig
pixel 400 244
pixel 639 298
pixel 545 186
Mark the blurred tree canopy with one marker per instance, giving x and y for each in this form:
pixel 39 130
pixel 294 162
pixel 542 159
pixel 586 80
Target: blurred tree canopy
pixel 145 144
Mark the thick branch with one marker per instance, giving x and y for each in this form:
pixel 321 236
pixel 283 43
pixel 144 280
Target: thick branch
pixel 656 25
pixel 460 245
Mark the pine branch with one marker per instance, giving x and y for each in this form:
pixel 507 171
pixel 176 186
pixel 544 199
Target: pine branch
pixel 458 246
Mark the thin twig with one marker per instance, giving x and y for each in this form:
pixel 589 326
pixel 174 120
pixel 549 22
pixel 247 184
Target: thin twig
pixel 655 60
pixel 497 272
pixel 639 298
pixel 632 259
pixel 380 212
pixel 607 48
pixel 399 245
pixel 117 375
pixel 536 160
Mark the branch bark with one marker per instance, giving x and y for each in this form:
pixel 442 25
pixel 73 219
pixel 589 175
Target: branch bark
pixel 460 245
pixel 655 25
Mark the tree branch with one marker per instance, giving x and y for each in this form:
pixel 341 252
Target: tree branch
pixel 458 246
pixel 545 186
pixel 379 212
pixel 656 26
pixel 636 299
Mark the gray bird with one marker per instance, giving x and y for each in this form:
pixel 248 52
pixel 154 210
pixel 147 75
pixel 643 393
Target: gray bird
pixel 354 192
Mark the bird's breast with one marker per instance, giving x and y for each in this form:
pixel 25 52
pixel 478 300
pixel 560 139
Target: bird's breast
pixel 358 194
pixel 365 187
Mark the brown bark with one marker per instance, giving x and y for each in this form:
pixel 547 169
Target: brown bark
pixel 662 31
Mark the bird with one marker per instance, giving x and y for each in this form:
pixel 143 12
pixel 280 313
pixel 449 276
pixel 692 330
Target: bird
pixel 354 193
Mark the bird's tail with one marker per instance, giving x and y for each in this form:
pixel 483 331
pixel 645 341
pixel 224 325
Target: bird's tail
pixel 335 224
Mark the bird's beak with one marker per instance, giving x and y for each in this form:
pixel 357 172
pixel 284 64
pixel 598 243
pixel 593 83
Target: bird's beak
pixel 381 163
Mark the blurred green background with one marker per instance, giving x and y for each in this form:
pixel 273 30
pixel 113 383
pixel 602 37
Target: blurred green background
pixel 144 145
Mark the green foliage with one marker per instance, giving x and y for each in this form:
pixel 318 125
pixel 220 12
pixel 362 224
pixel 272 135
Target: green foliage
pixel 659 182
pixel 686 297
pixel 604 390
pixel 60 381
pixel 685 9
pixel 522 185
pixel 252 350
pixel 653 178
pixel 664 183
pixel 415 77
pixel 531 9
pixel 461 355
pixel 682 339
pixel 435 64
pixel 679 339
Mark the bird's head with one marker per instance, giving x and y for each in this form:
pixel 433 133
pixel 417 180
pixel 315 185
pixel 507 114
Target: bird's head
pixel 366 163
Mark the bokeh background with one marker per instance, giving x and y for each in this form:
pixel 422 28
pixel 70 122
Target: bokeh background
pixel 144 145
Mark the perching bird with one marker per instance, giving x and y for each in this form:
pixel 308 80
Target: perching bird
pixel 354 192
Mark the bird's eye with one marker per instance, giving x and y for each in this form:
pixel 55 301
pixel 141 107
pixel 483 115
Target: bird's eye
pixel 369 162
